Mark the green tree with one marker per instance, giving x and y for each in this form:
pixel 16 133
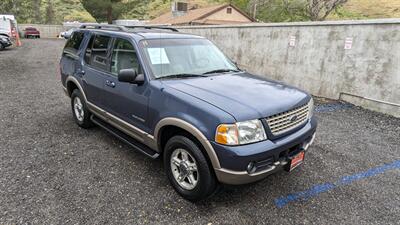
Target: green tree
pixel 36 11
pixel 280 10
pixel 50 13
pixel 320 9
pixel 26 11
pixel 79 15
pixel 293 10
pixel 137 10
pixel 108 10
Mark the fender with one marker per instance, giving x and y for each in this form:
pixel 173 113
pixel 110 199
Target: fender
pixel 194 131
pixel 76 82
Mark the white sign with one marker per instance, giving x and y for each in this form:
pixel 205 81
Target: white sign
pixel 292 41
pixel 348 44
pixel 158 56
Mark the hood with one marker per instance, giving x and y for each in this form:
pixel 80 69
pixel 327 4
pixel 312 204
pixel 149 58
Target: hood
pixel 242 95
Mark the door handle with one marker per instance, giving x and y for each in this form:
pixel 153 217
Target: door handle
pixel 110 83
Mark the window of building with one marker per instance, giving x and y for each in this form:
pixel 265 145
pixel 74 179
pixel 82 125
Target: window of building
pixel 229 10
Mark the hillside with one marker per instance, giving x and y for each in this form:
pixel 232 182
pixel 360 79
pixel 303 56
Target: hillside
pixel 72 10
pixel 368 9
pixel 375 8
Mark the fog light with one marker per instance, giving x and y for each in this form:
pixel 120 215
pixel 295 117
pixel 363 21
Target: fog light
pixel 251 168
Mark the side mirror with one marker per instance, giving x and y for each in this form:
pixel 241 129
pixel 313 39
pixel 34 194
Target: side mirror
pixel 66 35
pixel 130 76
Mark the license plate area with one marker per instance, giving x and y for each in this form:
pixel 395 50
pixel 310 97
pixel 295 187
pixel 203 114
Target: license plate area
pixel 296 161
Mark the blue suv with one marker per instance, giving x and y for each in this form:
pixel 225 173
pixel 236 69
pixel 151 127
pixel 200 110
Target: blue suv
pixel 178 96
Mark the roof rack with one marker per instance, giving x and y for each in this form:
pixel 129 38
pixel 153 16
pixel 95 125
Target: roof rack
pixel 153 27
pixel 122 28
pixel 102 26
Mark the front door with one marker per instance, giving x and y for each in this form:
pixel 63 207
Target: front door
pixel 125 100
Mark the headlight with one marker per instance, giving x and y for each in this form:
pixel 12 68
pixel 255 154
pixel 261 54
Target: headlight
pixel 240 133
pixel 310 108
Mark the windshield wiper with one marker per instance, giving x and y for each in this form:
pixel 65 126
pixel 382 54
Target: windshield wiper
pixel 221 71
pixel 181 75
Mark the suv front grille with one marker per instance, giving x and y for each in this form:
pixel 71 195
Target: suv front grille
pixel 283 122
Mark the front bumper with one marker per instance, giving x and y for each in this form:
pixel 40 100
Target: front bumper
pixel 6 43
pixel 269 156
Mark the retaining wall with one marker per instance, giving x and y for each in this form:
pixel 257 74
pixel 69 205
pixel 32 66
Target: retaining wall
pixel 356 61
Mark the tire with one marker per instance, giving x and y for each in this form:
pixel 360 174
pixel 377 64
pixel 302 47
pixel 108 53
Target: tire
pixel 205 184
pixel 1 47
pixel 80 111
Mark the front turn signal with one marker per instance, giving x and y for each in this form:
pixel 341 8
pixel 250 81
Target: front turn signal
pixel 227 134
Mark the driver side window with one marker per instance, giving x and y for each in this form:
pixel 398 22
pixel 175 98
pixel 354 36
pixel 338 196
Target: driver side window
pixel 124 57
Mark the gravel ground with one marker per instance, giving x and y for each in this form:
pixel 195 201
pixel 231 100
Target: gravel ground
pixel 53 172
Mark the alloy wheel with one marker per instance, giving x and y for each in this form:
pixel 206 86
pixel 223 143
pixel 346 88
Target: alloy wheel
pixel 78 109
pixel 184 169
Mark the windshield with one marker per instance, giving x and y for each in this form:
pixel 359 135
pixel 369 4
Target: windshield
pixel 184 56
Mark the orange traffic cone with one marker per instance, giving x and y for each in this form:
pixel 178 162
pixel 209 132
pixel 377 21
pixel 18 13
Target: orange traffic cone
pixel 15 34
pixel 18 43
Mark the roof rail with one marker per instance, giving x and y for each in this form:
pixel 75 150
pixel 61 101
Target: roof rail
pixel 102 26
pixel 153 27
pixel 122 28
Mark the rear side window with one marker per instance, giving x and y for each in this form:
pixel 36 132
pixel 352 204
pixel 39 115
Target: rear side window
pixel 72 45
pixel 97 51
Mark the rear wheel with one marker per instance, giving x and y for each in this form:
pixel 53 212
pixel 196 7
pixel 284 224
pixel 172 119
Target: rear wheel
pixel 79 110
pixel 188 170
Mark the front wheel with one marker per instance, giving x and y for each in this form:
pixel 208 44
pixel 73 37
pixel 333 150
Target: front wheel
pixel 188 170
pixel 1 46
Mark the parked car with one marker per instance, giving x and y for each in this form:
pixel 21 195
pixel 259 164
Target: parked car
pixel 177 96
pixel 4 42
pixel 31 32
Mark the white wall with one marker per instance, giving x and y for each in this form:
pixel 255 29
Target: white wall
pixel 318 62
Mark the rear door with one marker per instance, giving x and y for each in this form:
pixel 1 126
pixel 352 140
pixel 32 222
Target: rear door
pixel 125 100
pixel 70 64
pixel 96 67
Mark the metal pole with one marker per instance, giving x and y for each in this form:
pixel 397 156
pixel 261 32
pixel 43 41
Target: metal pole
pixel 371 99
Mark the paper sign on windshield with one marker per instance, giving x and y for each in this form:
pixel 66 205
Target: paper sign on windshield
pixel 158 56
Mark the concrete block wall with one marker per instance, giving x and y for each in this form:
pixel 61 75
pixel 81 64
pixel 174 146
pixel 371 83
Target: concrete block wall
pixel 46 31
pixel 356 61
